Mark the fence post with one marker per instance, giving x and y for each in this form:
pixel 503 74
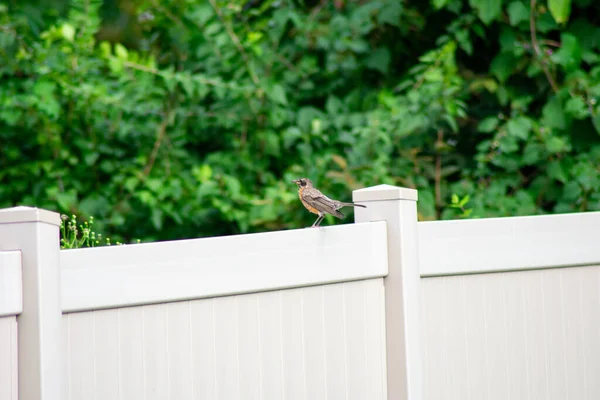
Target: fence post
pixel 398 207
pixel 35 232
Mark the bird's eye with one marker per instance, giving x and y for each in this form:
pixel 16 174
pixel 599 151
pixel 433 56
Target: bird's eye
pixel 303 182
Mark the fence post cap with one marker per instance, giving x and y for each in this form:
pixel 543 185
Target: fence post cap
pixel 15 215
pixel 384 192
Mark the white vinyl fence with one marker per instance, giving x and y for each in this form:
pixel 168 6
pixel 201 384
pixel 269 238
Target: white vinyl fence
pixel 387 308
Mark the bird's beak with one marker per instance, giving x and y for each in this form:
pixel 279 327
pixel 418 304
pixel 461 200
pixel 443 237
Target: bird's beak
pixel 296 181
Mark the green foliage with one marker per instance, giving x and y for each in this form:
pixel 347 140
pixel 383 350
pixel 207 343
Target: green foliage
pixel 188 118
pixel 74 236
pixel 460 205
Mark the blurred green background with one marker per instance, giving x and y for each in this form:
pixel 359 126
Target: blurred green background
pixel 171 119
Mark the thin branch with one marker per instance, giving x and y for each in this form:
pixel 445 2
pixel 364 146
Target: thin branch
pixel 438 172
pixel 236 42
pixel 551 43
pixel 317 9
pixel 161 133
pixel 537 49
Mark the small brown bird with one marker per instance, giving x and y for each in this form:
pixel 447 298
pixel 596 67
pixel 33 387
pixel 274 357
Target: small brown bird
pixel 317 203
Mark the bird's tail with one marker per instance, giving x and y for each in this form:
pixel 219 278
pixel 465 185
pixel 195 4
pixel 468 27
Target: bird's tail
pixel 353 205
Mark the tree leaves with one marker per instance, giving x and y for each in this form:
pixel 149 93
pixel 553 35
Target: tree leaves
pixel 517 13
pixel 560 10
pixel 569 54
pixel 487 10
pixel 195 123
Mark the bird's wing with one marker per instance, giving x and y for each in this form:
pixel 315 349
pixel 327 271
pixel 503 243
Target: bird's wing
pixel 321 202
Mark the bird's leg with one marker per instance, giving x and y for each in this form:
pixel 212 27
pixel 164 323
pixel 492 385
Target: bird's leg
pixel 317 221
pixel 321 218
pixel 314 223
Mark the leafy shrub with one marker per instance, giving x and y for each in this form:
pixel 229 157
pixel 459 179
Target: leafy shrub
pixel 192 118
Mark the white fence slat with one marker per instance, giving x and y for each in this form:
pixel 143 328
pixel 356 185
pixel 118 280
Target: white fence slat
pixel 203 349
pixel 131 353
pixel 590 304
pixel 156 352
pixel 354 326
pixel 573 332
pixel 516 338
pixel 554 330
pixel 536 338
pixel 81 356
pixel 226 348
pixel 107 353
pixel 271 351
pixel 314 339
pixel 291 333
pixel 8 358
pixel 249 349
pixel 374 326
pixel 179 353
pixel 335 338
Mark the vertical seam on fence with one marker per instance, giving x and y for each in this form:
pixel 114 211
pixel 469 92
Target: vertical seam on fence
pixel 486 351
pixel 260 358
pixel 582 336
pixel 544 330
pixel 324 332
pixel 281 343
pixel 168 351
pixel 237 344
pixel 214 324
pixel 94 352
pixel 191 350
pixel 344 285
pixel 302 336
pixel 563 334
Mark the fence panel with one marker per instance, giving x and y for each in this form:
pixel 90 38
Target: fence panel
pixel 529 333
pixel 11 304
pixel 310 342
pixel 8 358
pixel 518 335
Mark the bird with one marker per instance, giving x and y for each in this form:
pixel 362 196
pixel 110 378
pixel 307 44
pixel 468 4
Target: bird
pixel 317 203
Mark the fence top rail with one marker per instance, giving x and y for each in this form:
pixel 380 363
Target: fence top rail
pixel 11 283
pixel 120 276
pixel 508 244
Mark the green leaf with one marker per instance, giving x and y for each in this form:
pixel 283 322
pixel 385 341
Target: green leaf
pixel 121 52
pixel 576 107
pixel 517 13
pixel 553 114
pixel 277 94
pixel 391 13
pixel 464 200
pixel 68 32
pixel 519 127
pixel 379 60
pixel 66 200
pixel 596 122
pixel 487 10
pixel 555 144
pixel 454 199
pixel 569 54
pixel 438 4
pixel 556 171
pixel 157 218
pixel 503 65
pixel 560 10
pixel 532 153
